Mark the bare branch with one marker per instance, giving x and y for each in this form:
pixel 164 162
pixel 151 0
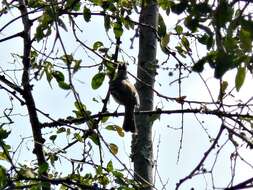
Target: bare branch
pixel 200 164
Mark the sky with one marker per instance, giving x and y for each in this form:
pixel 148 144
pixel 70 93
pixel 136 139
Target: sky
pixel 59 103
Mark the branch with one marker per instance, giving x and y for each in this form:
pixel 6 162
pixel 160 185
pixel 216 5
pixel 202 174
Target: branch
pixel 64 181
pixel 11 85
pixel 200 164
pixel 27 92
pixel 218 113
pixel 13 93
pixel 243 185
pixel 20 34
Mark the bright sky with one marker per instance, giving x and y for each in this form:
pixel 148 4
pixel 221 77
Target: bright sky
pixel 166 140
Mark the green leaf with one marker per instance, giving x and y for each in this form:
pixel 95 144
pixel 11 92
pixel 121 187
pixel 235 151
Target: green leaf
pixel 104 119
pixel 247 24
pixel 181 51
pixel 99 170
pixel 53 157
pixel 3 177
pixel 62 24
pixel 165 4
pixel 107 22
pixel 63 85
pixel 114 148
pixel 77 5
pixel 33 57
pixel 3 156
pixel 230 43
pixel 78 137
pixel 59 76
pixel 223 13
pixel 191 23
pixel 211 57
pixel 118 174
pixel 165 40
pixel 43 168
pixel 109 166
pixel 86 14
pixel 44 27
pixel 179 29
pixel 67 59
pixel 73 5
pixel 68 131
pixel 202 8
pixel 94 137
pixel 128 23
pixel 97 80
pixel 79 106
pixel 103 50
pixel 48 70
pixel 36 3
pixel 199 66
pixel 224 86
pixel 103 180
pixel 39 33
pixel 161 27
pixel 206 40
pixel 120 131
pixel 97 45
pixel 53 137
pixel 186 43
pixel 95 100
pixel 61 130
pixel 240 77
pixel 110 127
pixel 180 7
pixel 116 128
pixel 117 29
pixel 222 63
pixel 4 134
pixel 77 64
pixel 246 40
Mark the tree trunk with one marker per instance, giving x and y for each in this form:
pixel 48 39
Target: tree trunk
pixel 142 149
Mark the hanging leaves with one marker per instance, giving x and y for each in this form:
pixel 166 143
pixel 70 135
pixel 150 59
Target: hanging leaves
pixel 179 7
pixel 94 137
pixel 97 45
pixel 59 76
pixel 114 148
pixel 161 27
pixel 117 29
pixel 86 14
pixel 109 166
pixel 179 29
pixel 223 13
pixel 240 77
pixel 246 38
pixel 165 40
pixel 107 22
pixel 3 177
pixel 116 128
pixel 97 80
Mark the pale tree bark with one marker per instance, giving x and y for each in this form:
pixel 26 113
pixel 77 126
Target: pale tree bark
pixel 142 148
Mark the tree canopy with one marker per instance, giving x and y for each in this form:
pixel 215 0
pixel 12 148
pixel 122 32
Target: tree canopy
pixel 58 126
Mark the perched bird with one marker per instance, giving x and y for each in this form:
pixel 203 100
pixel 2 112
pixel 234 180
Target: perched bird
pixel 125 94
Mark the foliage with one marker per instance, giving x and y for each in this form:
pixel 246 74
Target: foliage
pixel 223 30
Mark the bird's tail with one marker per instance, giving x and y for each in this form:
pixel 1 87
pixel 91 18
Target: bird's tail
pixel 129 120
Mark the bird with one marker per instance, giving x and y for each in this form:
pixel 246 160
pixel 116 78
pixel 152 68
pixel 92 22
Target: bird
pixel 125 93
